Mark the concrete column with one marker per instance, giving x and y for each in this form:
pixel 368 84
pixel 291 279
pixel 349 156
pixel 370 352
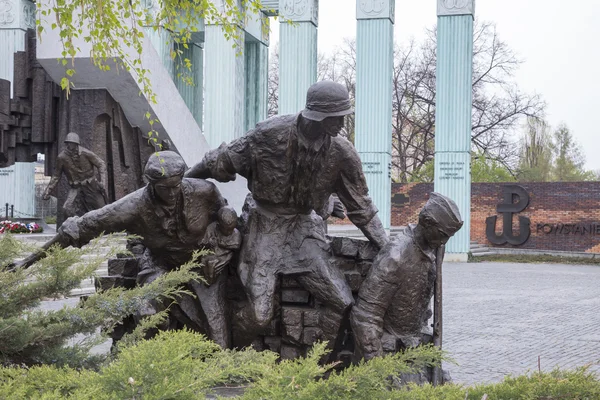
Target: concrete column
pixel 16 16
pixel 161 38
pixel 165 46
pixel 257 75
pixel 453 114
pixel 191 92
pixel 374 67
pixel 257 69
pixel 297 52
pixel 224 85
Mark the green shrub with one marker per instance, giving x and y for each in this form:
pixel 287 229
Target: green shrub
pixel 31 336
pixel 579 384
pixel 185 365
pixel 303 379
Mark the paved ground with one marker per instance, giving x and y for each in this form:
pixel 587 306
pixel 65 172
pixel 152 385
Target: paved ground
pixel 498 318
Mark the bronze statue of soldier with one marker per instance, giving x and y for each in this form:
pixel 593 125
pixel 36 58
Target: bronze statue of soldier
pixel 85 173
pixel 394 297
pixel 171 214
pixel 293 163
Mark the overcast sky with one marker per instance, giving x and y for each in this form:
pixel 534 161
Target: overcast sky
pixel 558 40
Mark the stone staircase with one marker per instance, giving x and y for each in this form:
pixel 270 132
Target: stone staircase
pixel 479 250
pixel 354 232
pixel 87 286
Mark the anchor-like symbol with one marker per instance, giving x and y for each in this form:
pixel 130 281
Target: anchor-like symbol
pixel 6 15
pixel 372 6
pixel 508 208
pixel 294 7
pixel 455 4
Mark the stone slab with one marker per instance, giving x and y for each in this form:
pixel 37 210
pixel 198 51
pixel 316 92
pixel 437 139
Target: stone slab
pixel 299 296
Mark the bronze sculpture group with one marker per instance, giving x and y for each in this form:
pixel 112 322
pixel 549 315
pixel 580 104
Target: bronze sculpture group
pixel 293 165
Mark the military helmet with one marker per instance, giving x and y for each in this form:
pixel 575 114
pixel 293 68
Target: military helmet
pixel 444 212
pixel 72 137
pixel 327 99
pixel 164 165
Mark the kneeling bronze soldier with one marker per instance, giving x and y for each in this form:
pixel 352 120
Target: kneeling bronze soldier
pixel 394 298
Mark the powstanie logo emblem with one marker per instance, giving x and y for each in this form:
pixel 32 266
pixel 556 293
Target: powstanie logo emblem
pixel 508 208
pixel 374 7
pixel 7 16
pixel 455 4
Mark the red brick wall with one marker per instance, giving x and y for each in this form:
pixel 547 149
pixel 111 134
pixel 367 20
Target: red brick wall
pixel 550 203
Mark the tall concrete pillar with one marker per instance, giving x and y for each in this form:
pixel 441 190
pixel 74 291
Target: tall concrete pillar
pixel 16 16
pixel 191 91
pixel 453 114
pixel 297 52
pixel 257 75
pixel 374 67
pixel 224 87
pixel 257 69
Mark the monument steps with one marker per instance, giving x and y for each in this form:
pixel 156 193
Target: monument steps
pixel 354 232
pixel 483 254
pixel 479 250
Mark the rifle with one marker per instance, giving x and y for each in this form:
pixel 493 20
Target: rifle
pixel 39 254
pixel 437 311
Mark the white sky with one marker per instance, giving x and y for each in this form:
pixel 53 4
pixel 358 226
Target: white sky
pixel 558 40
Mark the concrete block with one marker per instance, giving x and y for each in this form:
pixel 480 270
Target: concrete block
pixel 311 318
pixel 273 343
pixel 344 246
pixel 273 329
pixel 456 257
pixel 295 296
pixel 389 343
pixel 109 282
pixel 292 332
pixel 311 335
pixel 291 316
pixel 123 266
pixel 367 251
pixel 289 282
pixel 258 344
pixel 289 352
pixel 407 342
pixel 354 280
pixel 364 267
pixel 343 264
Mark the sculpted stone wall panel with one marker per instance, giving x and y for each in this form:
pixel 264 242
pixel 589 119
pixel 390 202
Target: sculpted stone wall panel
pixel 375 9
pixel 300 10
pixel 8 14
pixel 39 123
pixel 17 14
pixel 455 7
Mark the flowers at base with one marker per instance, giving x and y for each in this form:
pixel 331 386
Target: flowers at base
pixel 19 227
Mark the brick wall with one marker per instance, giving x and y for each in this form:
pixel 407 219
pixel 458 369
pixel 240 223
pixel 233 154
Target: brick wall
pixel 565 216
